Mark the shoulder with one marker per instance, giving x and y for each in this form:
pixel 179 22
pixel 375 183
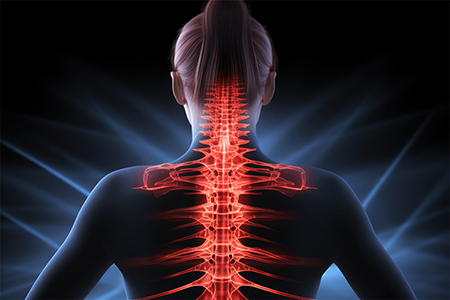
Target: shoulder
pixel 125 175
pixel 121 179
pixel 323 179
pixel 115 186
pixel 112 192
pixel 333 190
pixel 107 202
pixel 339 196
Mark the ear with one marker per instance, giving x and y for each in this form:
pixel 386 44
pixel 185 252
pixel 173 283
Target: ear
pixel 177 88
pixel 271 89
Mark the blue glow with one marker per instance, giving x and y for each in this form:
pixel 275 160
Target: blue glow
pixel 437 191
pixel 394 163
pixel 48 169
pixel 33 231
pixel 406 198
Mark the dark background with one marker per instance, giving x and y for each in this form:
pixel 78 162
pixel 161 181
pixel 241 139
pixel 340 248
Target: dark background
pixel 362 91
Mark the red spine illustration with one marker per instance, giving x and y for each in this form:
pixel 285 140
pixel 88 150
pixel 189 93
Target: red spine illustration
pixel 223 174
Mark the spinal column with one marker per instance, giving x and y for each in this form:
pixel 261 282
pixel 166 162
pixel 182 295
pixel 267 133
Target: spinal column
pixel 223 174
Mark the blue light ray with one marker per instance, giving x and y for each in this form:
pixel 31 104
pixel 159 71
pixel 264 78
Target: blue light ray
pixel 391 167
pixel 329 94
pixel 131 138
pixel 271 139
pixel 55 124
pixel 16 288
pixel 47 168
pixel 31 230
pixel 114 292
pixel 87 169
pixel 154 113
pixel 136 145
pixel 43 194
pixel 112 278
pixel 438 239
pixel 101 135
pixel 363 130
pixel 118 89
pixel 329 137
pixel 20 269
pixel 432 196
pixel 410 223
pixel 337 135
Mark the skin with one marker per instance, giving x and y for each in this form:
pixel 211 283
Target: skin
pixel 113 227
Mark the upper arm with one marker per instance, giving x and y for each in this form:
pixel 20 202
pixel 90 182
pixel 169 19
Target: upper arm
pixel 366 265
pixel 81 260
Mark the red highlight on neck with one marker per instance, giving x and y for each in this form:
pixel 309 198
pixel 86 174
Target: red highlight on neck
pixel 223 174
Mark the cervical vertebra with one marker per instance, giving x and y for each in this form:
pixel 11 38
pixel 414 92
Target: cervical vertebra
pixel 222 175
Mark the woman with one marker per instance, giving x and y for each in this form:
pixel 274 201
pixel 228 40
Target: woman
pixel 223 221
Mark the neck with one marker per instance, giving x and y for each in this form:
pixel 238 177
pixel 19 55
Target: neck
pixel 226 129
pixel 253 143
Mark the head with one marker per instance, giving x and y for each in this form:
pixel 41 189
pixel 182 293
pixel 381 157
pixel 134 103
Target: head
pixel 224 39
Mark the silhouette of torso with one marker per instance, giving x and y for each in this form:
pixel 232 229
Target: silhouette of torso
pixel 221 222
pixel 225 225
pixel 133 237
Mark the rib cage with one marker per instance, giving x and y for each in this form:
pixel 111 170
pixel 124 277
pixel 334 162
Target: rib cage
pixel 223 174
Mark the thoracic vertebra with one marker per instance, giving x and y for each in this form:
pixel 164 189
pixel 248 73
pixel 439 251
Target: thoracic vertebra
pixel 223 174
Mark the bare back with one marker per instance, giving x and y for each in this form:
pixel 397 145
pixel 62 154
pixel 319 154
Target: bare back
pixel 224 225
pixel 273 245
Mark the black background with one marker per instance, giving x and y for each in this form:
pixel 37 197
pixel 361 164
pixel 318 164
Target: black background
pixel 397 51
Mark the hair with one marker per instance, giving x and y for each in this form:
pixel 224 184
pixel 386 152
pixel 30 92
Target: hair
pixel 223 40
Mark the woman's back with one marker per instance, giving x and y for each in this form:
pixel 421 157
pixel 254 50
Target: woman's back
pixel 223 221
pixel 138 232
pixel 279 244
pixel 283 247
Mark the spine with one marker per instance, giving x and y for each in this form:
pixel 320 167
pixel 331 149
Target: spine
pixel 225 175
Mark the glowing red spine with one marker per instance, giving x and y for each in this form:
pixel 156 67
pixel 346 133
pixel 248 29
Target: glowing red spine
pixel 224 176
